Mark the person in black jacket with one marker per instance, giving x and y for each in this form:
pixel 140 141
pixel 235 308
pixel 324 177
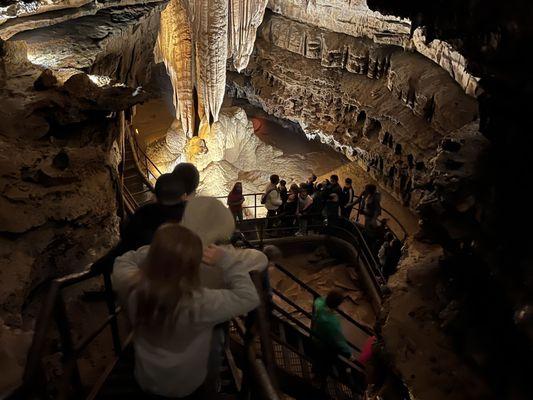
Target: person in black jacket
pixel 170 196
pixel 348 198
pixel 171 193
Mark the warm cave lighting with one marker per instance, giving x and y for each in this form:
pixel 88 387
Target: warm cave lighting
pixel 100 80
pixel 44 60
pixel 257 124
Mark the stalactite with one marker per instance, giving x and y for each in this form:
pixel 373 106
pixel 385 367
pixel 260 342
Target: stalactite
pixel 195 41
pixel 210 22
pixel 245 18
pixel 175 46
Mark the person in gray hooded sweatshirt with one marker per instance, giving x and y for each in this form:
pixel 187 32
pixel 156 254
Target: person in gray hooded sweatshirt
pixel 192 353
pixel 209 218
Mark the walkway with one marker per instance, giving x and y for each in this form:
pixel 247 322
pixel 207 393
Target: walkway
pixel 360 178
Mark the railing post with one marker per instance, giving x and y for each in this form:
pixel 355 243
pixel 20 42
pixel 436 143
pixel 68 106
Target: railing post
pixel 71 371
pixel 110 302
pixel 264 329
pixel 255 206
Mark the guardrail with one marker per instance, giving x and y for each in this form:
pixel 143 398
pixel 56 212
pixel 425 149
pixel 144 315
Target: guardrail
pixel 365 329
pixel 148 169
pixel 363 255
pixel 259 211
pixel 54 309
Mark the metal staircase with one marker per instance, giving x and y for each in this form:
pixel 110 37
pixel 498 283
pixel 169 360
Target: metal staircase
pixel 269 359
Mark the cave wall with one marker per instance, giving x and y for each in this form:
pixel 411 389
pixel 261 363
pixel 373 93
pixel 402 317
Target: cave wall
pixel 404 109
pixel 484 290
pixel 63 85
pixel 390 109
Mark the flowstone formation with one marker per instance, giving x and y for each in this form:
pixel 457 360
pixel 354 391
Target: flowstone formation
pixel 230 151
pixel 195 40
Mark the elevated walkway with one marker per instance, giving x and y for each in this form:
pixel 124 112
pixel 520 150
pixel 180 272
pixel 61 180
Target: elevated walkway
pixel 271 358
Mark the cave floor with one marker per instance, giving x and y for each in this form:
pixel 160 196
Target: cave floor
pixel 323 272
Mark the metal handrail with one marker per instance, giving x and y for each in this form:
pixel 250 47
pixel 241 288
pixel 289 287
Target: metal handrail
pixel 54 309
pixel 307 314
pixel 316 295
pixel 363 252
pixel 139 155
pixel 356 365
pixel 356 208
pixel 359 242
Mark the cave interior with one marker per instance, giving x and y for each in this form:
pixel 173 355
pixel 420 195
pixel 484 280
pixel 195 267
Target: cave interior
pixel 428 101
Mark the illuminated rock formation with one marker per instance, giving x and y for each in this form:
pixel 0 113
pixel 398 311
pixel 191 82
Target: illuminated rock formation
pixel 245 18
pixel 174 45
pixel 195 40
pixel 210 26
pixel 230 151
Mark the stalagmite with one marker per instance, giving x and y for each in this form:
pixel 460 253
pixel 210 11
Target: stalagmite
pixel 245 18
pixel 175 47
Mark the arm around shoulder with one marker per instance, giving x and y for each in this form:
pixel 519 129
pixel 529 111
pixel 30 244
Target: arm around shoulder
pixel 221 305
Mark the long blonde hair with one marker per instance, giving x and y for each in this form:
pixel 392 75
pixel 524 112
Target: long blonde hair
pixel 169 274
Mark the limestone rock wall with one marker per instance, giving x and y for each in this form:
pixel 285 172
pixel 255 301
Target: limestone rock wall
pixel 355 18
pixel 352 17
pixel 379 104
pixel 62 88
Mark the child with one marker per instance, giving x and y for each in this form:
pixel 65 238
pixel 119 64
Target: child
pixel 329 339
pixel 172 315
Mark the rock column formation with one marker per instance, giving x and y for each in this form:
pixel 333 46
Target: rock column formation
pixel 195 40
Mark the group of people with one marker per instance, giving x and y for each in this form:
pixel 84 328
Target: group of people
pixel 179 279
pixel 327 200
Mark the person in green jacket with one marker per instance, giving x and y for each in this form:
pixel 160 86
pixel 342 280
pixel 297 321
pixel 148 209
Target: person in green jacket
pixel 329 339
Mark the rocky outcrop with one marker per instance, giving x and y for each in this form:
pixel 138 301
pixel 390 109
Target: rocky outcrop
pixel 386 107
pixel 356 19
pixel 351 17
pixel 59 156
pixel 418 311
pixel 23 16
pixel 449 59
pixel 115 44
pixel 334 50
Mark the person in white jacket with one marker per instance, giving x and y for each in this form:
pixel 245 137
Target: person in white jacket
pixel 172 314
pixel 271 197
